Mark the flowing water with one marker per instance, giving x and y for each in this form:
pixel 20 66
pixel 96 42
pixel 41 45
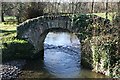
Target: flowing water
pixel 62 55
pixel 36 69
pixel 62 59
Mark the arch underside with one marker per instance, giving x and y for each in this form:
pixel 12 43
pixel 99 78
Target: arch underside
pixel 35 30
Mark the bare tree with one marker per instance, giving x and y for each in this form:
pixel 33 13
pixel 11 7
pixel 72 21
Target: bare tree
pixel 20 7
pixel 118 26
pixel 0 12
pixel 6 9
pixel 92 10
pixel 106 9
pixel 34 10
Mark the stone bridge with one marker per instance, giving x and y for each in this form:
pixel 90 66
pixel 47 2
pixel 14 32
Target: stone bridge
pixel 34 30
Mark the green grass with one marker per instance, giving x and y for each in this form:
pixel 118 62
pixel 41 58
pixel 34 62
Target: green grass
pixel 10 18
pixel 7 26
pixel 7 32
pixel 110 15
pixel 13 48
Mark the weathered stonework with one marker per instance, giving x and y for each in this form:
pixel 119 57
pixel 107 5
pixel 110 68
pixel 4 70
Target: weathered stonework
pixel 32 29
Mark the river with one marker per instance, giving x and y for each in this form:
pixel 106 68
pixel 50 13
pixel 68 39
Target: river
pixel 36 69
pixel 62 59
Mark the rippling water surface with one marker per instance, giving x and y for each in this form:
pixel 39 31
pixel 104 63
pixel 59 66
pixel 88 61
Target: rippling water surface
pixel 62 55
pixel 62 59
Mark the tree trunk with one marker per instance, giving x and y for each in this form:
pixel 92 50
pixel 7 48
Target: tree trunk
pixel 2 17
pixel 106 10
pixel 2 13
pixel 118 27
pixel 92 10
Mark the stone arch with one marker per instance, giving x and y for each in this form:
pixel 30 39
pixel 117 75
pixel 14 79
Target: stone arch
pixel 40 44
pixel 32 29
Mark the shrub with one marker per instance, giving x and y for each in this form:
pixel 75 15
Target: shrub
pixel 17 49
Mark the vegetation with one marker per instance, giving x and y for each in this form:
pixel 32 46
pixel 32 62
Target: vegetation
pixel 105 55
pixel 99 36
pixel 99 41
pixel 13 48
pixel 111 15
pixel 99 44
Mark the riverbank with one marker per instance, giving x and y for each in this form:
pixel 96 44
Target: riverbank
pixel 35 69
pixel 11 69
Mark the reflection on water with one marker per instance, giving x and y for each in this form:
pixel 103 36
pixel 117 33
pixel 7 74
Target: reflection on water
pixel 35 69
pixel 62 59
pixel 62 64
pixel 86 73
pixel 62 55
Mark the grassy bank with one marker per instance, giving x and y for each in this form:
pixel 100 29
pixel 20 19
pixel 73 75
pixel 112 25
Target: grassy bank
pixel 103 15
pixel 13 48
